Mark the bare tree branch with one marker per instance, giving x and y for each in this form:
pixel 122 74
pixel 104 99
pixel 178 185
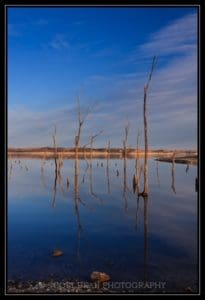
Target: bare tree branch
pixel 81 121
pixel 92 138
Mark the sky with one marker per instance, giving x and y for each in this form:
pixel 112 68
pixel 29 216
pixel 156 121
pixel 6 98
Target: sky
pixel 103 56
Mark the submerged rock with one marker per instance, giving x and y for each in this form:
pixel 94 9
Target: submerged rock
pixel 99 276
pixel 57 253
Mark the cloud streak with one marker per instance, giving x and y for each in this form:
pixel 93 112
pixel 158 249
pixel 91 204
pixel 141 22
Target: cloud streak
pixel 177 38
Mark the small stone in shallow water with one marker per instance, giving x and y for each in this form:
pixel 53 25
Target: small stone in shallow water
pixel 99 276
pixel 57 253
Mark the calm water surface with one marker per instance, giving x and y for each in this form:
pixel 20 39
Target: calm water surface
pixel 100 224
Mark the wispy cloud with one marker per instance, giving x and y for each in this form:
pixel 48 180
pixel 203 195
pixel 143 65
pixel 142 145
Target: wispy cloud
pixel 172 103
pixel 34 128
pixel 177 38
pixel 59 42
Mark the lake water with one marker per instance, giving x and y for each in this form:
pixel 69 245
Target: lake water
pixel 100 224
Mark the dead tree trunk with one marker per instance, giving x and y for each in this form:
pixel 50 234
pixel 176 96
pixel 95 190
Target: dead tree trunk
pixel 127 126
pixel 146 87
pixel 145 192
pixel 137 157
pixel 107 167
pixel 55 150
pixel 56 167
pixel 137 174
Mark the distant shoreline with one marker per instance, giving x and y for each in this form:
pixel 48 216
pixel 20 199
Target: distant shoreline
pixel 181 156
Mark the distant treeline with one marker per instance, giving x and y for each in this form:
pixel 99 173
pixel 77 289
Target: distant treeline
pixel 67 150
pixel 87 149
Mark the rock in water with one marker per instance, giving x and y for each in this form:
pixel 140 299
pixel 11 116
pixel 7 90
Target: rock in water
pixel 57 253
pixel 99 276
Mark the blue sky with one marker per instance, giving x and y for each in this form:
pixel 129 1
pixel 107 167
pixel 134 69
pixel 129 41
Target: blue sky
pixel 104 56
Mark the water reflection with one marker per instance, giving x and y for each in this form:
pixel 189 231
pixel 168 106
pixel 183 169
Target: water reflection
pixel 196 185
pixel 55 185
pixel 168 243
pixel 76 201
pixel 137 212
pixel 125 187
pixel 158 178
pixel 145 228
pixel 173 173
pixel 43 176
pixel 10 169
pixel 145 239
pixel 90 168
pixel 187 168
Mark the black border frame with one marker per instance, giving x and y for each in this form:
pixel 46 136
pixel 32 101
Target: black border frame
pixel 3 161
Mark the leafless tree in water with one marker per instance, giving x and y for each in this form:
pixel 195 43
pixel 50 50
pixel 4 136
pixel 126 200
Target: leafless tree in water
pixel 58 163
pixel 146 88
pixel 107 168
pixel 138 168
pixel 127 127
pixel 56 167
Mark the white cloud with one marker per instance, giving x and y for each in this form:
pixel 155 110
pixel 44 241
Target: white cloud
pixel 31 128
pixel 178 37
